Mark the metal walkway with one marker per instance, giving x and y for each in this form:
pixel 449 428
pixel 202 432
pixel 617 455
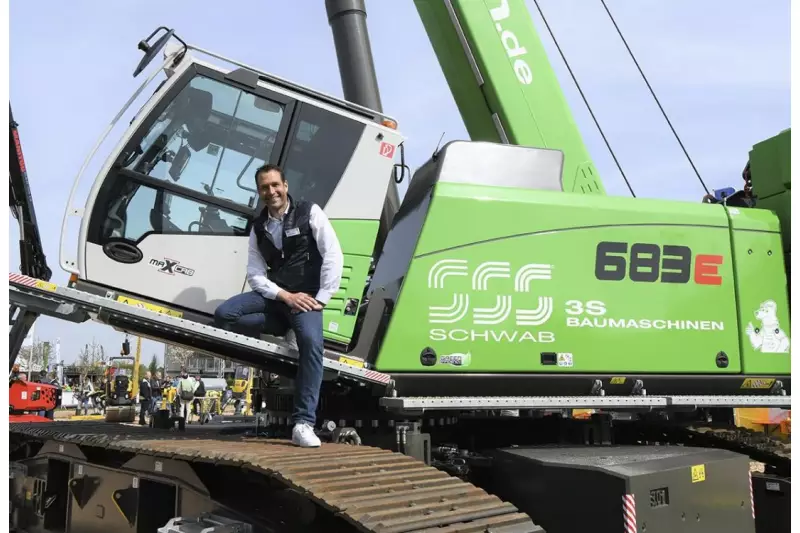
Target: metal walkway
pixel 77 306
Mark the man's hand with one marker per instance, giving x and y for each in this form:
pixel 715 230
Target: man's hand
pixel 299 301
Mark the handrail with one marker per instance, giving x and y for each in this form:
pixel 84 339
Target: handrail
pixel 71 266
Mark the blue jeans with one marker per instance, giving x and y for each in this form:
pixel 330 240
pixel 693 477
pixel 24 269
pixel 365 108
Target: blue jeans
pixel 251 314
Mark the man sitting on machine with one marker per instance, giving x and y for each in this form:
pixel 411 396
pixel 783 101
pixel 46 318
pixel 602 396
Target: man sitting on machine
pixel 296 242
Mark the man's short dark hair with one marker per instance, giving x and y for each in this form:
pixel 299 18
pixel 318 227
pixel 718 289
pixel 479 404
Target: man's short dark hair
pixel 268 168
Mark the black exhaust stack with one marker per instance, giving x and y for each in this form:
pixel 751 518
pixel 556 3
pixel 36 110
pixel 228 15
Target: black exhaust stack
pixel 348 20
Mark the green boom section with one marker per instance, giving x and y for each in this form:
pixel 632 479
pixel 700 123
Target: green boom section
pixel 515 280
pixel 357 238
pixel 499 74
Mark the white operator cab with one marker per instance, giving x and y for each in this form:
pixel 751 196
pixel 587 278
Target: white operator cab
pixel 168 217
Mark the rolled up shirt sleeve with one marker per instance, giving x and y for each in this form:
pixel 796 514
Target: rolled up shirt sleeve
pixel 331 252
pixel 257 271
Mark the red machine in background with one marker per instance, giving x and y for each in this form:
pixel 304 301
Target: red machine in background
pixel 26 398
pixel 29 398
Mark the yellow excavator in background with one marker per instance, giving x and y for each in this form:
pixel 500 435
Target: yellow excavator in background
pixel 241 391
pixel 122 389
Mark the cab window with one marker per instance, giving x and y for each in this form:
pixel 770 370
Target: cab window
pixel 321 147
pixel 210 139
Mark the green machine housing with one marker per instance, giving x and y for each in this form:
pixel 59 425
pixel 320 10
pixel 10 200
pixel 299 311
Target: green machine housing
pixel 509 271
pixel 769 170
pixel 493 278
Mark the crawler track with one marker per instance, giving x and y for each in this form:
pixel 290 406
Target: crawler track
pixel 374 490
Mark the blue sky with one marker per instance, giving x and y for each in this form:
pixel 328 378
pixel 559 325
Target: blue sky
pixel 720 68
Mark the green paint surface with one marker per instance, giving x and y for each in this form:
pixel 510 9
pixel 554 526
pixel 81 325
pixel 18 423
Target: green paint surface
pixel 502 276
pixel 520 89
pixel 357 239
pixel 762 292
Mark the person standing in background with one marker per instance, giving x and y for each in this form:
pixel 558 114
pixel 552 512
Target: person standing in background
pixel 156 386
pixel 186 387
pixel 199 397
pixel 146 395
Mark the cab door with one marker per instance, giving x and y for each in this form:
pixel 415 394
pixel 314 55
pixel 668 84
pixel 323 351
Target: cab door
pixel 171 220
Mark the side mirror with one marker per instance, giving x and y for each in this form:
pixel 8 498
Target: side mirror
pixel 151 51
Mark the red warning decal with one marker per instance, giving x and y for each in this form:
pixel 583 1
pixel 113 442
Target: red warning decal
pixel 387 150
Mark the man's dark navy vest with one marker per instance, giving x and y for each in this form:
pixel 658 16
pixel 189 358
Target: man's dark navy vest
pixel 297 267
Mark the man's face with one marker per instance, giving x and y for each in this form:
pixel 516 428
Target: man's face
pixel 147 375
pixel 272 190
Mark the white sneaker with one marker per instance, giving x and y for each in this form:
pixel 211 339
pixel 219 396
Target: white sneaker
pixel 303 436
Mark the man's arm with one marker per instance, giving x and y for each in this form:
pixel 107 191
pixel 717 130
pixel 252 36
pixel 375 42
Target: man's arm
pixel 331 252
pixel 257 271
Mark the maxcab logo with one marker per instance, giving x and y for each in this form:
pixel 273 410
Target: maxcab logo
pixel 511 43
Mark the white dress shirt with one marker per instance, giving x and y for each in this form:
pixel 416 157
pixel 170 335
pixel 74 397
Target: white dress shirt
pixel 327 244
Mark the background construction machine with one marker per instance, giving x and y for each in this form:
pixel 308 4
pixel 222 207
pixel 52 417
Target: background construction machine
pixel 31 401
pixel 505 283
pixel 122 384
pixel 241 390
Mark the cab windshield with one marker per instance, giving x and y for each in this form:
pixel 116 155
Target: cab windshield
pixel 211 138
